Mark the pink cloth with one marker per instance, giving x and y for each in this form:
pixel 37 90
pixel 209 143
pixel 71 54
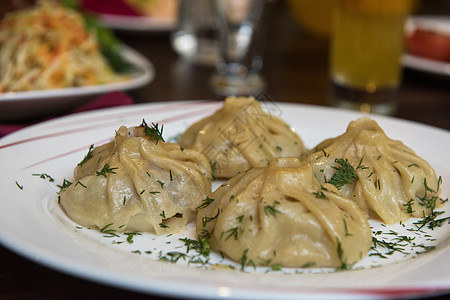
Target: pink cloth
pixel 110 7
pixel 106 100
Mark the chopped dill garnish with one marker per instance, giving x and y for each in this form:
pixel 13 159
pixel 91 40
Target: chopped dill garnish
pixel 80 183
pixel 232 232
pixel 19 186
pixel 88 156
pixel 130 236
pixel 324 153
pixel 205 249
pixel 66 183
pixel 276 267
pixel 108 231
pixel 320 195
pixel 271 209
pixel 264 262
pixel 340 253
pixel 174 256
pixel 391 247
pixel 439 182
pixel 245 261
pixel 213 169
pixel 346 229
pixel 45 176
pixel 361 166
pixel 153 132
pixel 408 205
pixel 345 173
pixel 201 246
pixel 105 170
pixel 431 220
pixel 206 220
pixel 205 203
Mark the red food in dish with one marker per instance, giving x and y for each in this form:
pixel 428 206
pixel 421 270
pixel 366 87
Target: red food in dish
pixel 429 44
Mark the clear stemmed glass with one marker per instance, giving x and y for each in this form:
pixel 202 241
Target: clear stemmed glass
pixel 241 37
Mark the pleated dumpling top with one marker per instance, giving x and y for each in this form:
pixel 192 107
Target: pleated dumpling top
pixel 241 135
pixel 387 179
pixel 281 215
pixel 138 183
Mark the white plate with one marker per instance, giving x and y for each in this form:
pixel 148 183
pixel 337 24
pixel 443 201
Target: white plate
pixel 435 67
pixel 19 106
pixel 33 224
pixel 431 66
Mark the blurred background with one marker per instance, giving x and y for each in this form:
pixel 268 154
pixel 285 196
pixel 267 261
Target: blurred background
pixel 295 67
pixel 295 52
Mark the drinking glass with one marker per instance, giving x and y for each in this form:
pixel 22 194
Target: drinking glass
pixel 241 37
pixel 366 48
pixel 195 37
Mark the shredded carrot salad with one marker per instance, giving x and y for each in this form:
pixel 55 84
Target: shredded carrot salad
pixel 48 47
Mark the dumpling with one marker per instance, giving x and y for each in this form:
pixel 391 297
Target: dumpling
pixel 241 135
pixel 281 215
pixel 138 183
pixel 383 176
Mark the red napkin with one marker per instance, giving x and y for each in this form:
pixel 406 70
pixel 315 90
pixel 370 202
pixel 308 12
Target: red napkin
pixel 106 100
pixel 109 7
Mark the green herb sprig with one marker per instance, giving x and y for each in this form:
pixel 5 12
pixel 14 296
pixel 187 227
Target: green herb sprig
pixel 105 170
pixel 345 173
pixel 153 132
pixel 88 156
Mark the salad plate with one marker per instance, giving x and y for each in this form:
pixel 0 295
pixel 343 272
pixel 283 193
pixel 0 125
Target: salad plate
pixel 426 65
pixel 37 159
pixel 149 17
pixel 430 44
pixel 138 24
pixel 20 106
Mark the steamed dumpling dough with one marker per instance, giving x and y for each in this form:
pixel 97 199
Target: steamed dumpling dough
pixel 241 135
pixel 137 183
pixel 389 180
pixel 281 215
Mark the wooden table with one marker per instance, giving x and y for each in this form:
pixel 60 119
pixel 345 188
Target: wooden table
pixel 296 70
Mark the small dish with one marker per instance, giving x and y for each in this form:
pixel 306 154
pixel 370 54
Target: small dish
pixel 424 51
pixel 22 106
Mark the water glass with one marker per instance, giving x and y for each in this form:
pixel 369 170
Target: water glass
pixel 195 37
pixel 241 37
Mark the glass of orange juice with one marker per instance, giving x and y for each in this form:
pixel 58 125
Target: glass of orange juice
pixel 367 43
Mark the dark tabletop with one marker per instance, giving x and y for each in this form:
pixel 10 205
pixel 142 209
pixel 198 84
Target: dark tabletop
pixel 296 70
